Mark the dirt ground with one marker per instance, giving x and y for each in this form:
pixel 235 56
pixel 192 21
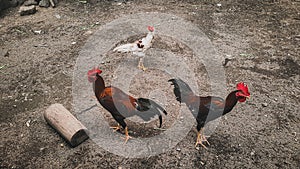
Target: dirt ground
pixel 261 37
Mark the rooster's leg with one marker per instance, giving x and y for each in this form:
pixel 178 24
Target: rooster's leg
pixel 127 137
pixel 141 64
pixel 116 128
pixel 204 139
pixel 201 138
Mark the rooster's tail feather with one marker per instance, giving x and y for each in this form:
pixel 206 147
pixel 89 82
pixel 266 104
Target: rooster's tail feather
pixel 181 89
pixel 152 106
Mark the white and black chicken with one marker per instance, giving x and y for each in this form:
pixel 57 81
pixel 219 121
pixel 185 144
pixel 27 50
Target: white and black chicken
pixel 138 47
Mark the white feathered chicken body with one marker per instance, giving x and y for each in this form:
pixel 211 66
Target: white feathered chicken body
pixel 138 47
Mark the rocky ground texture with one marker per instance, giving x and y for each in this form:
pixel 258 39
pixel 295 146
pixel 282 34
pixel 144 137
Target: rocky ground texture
pixel 260 38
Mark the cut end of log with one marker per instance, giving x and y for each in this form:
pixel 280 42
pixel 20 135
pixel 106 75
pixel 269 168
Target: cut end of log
pixel 79 137
pixel 66 124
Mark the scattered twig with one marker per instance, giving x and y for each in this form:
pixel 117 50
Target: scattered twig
pixel 41 45
pixel 82 1
pixel 226 61
pixel 20 31
pixel 245 54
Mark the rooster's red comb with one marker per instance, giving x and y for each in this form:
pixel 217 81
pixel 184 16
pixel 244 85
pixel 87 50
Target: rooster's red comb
pixel 243 87
pixel 151 28
pixel 94 71
pixel 92 74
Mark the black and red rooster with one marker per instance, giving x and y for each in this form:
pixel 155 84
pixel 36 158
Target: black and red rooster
pixel 122 105
pixel 207 108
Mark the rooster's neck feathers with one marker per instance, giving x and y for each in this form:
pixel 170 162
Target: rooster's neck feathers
pixel 99 85
pixel 230 102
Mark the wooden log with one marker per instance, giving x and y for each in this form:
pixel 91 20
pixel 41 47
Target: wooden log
pixel 66 124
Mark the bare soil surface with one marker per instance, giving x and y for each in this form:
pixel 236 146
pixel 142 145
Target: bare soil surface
pixel 261 37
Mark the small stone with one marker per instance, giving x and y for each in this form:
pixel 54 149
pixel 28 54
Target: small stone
pixel 229 56
pixel 27 10
pixel 88 32
pixel 73 43
pixel 202 163
pixel 264 104
pixel 42 148
pixel 61 145
pixel 38 32
pixel 28 123
pixel 25 98
pixel 252 153
pixel 14 106
pixel 178 149
pixel 44 3
pixel 30 2
pixel 219 5
pixel 57 16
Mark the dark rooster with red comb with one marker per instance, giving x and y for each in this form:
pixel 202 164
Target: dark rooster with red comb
pixel 207 108
pixel 122 105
